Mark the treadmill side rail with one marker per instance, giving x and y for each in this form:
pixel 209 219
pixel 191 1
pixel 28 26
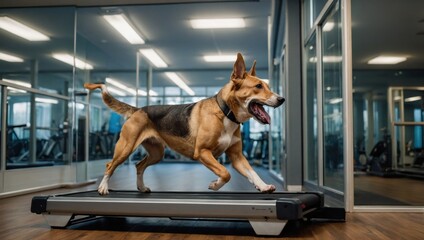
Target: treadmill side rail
pixel 289 209
pixel 39 204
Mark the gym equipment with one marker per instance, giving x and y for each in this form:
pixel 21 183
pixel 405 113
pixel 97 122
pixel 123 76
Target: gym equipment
pixel 380 160
pixel 267 213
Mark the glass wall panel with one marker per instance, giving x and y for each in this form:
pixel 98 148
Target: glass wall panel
pixel 277 125
pixel 311 117
pixel 388 97
pixel 311 10
pixel 18 129
pixel 52 125
pixel 332 100
pixel 37 119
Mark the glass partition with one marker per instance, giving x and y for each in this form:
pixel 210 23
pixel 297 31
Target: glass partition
pixel 38 85
pixel 388 98
pixel 311 112
pixel 332 101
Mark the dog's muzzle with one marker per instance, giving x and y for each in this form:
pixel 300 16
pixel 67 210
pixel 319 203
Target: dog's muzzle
pixel 257 110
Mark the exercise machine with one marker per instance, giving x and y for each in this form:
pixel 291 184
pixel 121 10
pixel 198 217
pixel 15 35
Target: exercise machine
pixel 267 213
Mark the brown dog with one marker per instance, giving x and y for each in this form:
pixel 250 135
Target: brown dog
pixel 201 131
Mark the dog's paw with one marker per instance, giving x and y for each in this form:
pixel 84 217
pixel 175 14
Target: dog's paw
pixel 267 188
pixel 216 185
pixel 144 189
pixel 103 191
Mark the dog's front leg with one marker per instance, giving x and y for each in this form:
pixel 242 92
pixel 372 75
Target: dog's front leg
pixel 241 164
pixel 206 157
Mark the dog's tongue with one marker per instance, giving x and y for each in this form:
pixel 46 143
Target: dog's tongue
pixel 260 113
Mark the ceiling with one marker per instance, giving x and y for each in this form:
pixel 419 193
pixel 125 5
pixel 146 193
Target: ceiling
pixel 164 27
pixel 390 27
pixel 378 27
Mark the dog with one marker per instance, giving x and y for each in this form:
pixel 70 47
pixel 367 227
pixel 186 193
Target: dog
pixel 201 131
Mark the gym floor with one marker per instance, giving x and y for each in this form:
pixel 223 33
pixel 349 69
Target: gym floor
pixel 17 222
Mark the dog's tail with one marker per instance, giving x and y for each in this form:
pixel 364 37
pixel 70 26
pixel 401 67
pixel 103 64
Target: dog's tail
pixel 113 103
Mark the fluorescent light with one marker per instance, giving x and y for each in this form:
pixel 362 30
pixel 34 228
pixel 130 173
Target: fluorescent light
pixel 387 60
pixel 179 82
pixel 120 85
pixel 116 91
pixel 413 99
pixel 124 28
pixel 220 58
pixel 217 23
pixel 327 59
pixel 328 26
pixel 69 59
pixel 21 30
pixel 128 89
pixel 46 100
pixel 10 58
pixel 153 57
pixel 144 93
pixel 335 100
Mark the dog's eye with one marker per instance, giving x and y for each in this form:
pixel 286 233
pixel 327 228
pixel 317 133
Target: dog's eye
pixel 259 86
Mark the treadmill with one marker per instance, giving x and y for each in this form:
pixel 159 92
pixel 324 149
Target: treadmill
pixel 267 213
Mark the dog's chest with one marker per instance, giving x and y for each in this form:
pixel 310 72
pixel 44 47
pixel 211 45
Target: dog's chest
pixel 227 139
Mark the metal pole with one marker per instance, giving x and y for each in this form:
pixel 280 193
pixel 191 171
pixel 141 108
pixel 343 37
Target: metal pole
pixel 33 118
pixel 149 83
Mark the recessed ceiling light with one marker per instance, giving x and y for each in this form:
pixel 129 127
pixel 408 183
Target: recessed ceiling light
pixel 10 58
pixel 69 59
pixel 179 82
pixel 336 100
pixel 220 58
pixel 217 23
pixel 121 25
pixel 387 60
pixel 154 57
pixel 21 30
pixel 327 59
pixel 328 26
pixel 46 100
pixel 413 99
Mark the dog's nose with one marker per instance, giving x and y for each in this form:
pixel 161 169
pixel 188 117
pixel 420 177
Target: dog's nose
pixel 280 100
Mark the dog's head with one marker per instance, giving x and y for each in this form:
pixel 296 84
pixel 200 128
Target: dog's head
pixel 252 93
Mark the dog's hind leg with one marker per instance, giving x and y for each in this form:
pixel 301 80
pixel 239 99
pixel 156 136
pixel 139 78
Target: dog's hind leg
pixel 155 152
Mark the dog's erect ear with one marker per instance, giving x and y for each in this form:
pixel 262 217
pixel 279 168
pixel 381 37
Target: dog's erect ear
pixel 239 70
pixel 252 71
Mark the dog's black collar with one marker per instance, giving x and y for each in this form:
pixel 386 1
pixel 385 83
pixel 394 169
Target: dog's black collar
pixel 225 109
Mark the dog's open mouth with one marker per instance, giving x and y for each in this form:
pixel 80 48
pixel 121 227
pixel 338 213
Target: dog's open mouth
pixel 258 111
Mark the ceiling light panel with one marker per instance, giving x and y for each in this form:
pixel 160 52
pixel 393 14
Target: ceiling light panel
pixel 387 60
pixel 154 58
pixel 121 24
pixel 217 23
pixel 10 58
pixel 69 59
pixel 179 82
pixel 220 58
pixel 21 30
